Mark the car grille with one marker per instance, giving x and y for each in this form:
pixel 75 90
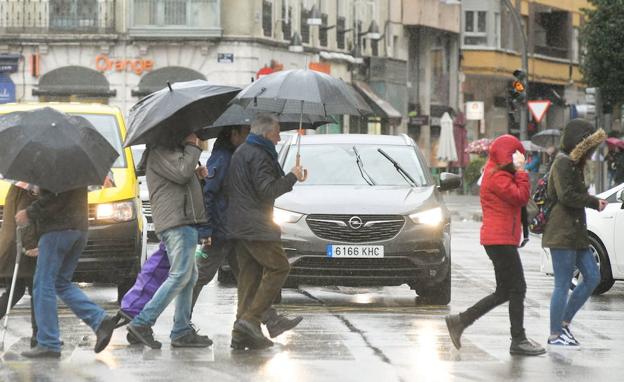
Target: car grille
pixel 372 227
pixel 147 209
pixel 109 248
pixel 337 267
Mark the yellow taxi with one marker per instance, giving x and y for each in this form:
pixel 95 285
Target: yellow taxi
pixel 116 242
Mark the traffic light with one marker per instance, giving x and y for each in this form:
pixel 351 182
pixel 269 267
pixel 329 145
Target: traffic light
pixel 518 87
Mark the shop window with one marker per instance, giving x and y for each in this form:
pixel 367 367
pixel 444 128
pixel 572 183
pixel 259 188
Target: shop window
pixel 475 28
pixel 267 18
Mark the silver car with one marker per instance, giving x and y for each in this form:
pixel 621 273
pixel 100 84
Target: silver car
pixel 369 214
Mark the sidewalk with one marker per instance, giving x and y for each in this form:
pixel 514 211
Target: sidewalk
pixel 463 207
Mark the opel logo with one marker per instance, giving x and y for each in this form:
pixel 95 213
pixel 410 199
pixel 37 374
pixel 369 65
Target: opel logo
pixel 356 222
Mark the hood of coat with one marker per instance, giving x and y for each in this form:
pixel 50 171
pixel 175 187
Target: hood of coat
pixel 502 149
pixel 579 138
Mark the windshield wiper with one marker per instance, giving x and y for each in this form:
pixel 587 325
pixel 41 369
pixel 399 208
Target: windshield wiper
pixel 358 160
pixel 408 178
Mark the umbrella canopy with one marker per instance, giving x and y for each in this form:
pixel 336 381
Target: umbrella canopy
pixel 53 150
pixel 447 151
pixel 305 92
pixel 177 111
pixel 614 142
pixel 547 138
pixel 530 146
pixel 235 115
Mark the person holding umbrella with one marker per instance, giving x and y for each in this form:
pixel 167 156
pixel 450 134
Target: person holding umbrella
pixel 39 147
pixel 254 180
pixel 177 209
pixel 217 247
pixel 17 199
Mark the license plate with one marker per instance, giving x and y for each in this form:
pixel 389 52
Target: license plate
pixel 355 251
pixel 150 226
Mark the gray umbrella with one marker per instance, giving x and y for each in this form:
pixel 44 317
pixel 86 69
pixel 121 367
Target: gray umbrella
pixel 235 115
pixel 53 150
pixel 303 92
pixel 547 138
pixel 176 111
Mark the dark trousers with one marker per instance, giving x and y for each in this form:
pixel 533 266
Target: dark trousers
pixel 510 286
pixel 20 290
pixel 263 269
pixel 208 265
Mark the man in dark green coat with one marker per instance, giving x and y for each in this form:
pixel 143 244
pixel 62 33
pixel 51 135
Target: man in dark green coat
pixel 566 230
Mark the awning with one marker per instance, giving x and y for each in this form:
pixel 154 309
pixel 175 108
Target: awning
pixel 74 80
pixel 156 80
pixel 381 107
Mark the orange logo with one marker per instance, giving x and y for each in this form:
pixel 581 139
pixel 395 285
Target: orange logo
pixel 103 63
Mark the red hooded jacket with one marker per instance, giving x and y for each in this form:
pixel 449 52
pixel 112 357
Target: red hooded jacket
pixel 503 195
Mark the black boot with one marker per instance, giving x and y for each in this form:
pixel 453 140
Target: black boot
pixel 281 323
pixel 525 346
pixel 41 352
pixel 145 335
pixel 104 333
pixel 249 335
pixel 455 328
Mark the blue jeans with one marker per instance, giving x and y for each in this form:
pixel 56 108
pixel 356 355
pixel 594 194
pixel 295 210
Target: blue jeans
pixel 564 262
pixel 180 243
pixel 58 257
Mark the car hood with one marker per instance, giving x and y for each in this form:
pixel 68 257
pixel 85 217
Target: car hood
pixel 358 199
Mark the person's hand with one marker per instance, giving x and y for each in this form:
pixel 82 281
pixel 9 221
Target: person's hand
pixel 602 204
pixel 299 173
pixel 192 139
pixel 21 218
pixel 206 243
pixel 202 171
pixel 32 252
pixel 518 160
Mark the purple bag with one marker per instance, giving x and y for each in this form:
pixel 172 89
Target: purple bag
pixel 153 274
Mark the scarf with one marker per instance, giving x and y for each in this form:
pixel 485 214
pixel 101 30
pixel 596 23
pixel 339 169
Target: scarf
pixel 268 146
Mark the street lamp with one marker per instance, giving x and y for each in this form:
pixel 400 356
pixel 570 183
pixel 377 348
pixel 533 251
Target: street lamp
pixel 296 44
pixel 315 16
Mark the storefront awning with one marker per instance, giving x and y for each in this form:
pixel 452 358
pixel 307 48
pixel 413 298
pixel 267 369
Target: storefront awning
pixel 74 80
pixel 156 80
pixel 381 107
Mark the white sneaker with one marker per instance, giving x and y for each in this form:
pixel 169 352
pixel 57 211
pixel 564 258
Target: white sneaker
pixel 569 336
pixel 561 340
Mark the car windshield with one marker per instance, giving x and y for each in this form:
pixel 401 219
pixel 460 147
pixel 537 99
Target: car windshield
pixel 337 164
pixel 107 126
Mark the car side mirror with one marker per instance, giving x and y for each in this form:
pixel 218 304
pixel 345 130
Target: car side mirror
pixel 139 171
pixel 620 197
pixel 449 181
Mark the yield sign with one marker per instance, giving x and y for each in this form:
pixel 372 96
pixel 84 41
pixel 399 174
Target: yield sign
pixel 538 109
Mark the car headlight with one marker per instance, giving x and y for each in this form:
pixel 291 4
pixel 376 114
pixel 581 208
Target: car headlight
pixel 120 212
pixel 432 217
pixel 282 216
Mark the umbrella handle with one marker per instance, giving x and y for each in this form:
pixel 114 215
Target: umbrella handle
pixel 305 171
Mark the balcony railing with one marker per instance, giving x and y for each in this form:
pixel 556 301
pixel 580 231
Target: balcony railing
pixel 552 51
pixel 57 16
pixel 175 17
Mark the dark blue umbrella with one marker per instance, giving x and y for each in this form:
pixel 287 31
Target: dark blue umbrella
pixel 176 111
pixel 53 150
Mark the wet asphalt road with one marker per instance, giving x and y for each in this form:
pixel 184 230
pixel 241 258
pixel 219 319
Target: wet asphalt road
pixel 348 334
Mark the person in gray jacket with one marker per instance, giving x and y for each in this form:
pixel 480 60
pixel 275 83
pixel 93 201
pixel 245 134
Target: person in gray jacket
pixel 173 180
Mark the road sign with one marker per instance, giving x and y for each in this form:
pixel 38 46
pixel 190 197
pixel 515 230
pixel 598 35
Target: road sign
pixel 538 109
pixel 474 111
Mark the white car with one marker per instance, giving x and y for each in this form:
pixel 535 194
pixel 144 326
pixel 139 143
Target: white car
pixel 605 243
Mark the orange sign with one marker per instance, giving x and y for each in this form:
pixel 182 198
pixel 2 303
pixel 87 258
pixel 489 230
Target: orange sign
pixel 320 67
pixel 103 63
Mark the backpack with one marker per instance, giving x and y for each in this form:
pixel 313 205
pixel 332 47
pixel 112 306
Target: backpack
pixel 539 206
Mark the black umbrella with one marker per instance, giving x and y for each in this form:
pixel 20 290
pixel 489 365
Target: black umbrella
pixel 176 111
pixel 547 138
pixel 303 92
pixel 235 115
pixel 53 150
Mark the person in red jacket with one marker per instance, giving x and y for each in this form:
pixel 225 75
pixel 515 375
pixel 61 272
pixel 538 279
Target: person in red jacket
pixel 505 190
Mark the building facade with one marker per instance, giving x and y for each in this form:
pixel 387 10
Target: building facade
pixel 491 52
pixel 117 51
